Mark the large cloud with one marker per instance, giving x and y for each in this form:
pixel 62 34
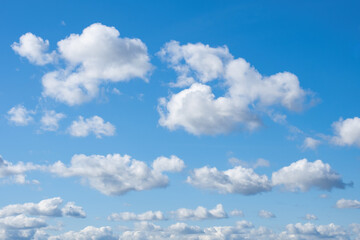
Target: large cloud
pixel 236 180
pixel 95 56
pixel 303 175
pixel 199 111
pixel 347 132
pixel 115 174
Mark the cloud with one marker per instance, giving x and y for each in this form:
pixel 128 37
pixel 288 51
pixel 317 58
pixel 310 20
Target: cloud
pixel 88 232
pixel 311 217
pixel 20 116
pixel 16 171
pixel 236 212
pixel 50 120
pixel 113 174
pixel 345 203
pixel 311 143
pixel 196 108
pixel 200 213
pixel 34 49
pixel 172 164
pixel 129 216
pixel 347 132
pixel 266 214
pixel 309 231
pixel 21 222
pixel 303 175
pixel 258 163
pixel 95 124
pixel 70 209
pixel 236 180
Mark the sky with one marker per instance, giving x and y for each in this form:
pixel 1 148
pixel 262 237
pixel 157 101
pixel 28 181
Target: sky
pixel 214 120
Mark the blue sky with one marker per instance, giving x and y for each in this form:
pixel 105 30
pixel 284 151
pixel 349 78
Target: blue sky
pixel 179 120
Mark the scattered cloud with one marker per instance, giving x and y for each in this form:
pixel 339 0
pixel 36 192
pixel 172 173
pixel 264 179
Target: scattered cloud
pixel 88 232
pixel 311 143
pixel 20 116
pixel 347 132
pixel 236 180
pixel 200 213
pixel 70 209
pixel 129 216
pixel 303 175
pixel 310 217
pixel 345 203
pixel 266 214
pixel 95 124
pixel 50 120
pixel 236 212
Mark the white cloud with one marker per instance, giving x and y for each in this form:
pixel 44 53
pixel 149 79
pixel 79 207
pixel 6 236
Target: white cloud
pixel 197 110
pixel 236 180
pixel 172 164
pixel 34 49
pixel 129 216
pixel 16 171
pixel 98 55
pixel 112 174
pixel 347 132
pixel 309 231
pixel 258 163
pixel 310 217
pixel 236 212
pixel 200 213
pixel 311 143
pixel 266 214
pixel 345 203
pixel 50 120
pixel 95 124
pixel 303 175
pixel 89 232
pixel 20 116
pixel 21 222
pixel 70 209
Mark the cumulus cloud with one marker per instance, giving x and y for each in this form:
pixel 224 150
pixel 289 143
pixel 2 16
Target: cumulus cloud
pixel 129 216
pixel 236 180
pixel 311 143
pixel 196 108
pixel 95 124
pixel 266 214
pixel 113 174
pixel 20 116
pixel 236 212
pixel 16 172
pixel 70 209
pixel 34 49
pixel 347 132
pixel 309 231
pixel 347 203
pixel 50 120
pixel 200 213
pixel 303 175
pixel 88 232
pixel 172 164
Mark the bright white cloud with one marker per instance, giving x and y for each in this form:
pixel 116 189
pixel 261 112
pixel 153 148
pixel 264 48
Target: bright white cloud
pixel 98 55
pixel 89 232
pixel 311 143
pixel 309 231
pixel 236 180
pixel 196 108
pixel 347 203
pixel 112 174
pixel 129 216
pixel 200 213
pixel 21 222
pixel 16 171
pixel 266 214
pixel 347 132
pixel 34 49
pixel 303 175
pixel 70 209
pixel 95 124
pixel 20 116
pixel 172 164
pixel 50 120
pixel 236 212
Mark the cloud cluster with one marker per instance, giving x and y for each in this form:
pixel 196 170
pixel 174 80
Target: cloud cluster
pixel 95 124
pixel 196 108
pixel 116 174
pixel 96 56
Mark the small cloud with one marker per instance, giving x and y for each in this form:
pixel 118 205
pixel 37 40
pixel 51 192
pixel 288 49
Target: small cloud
pixel 266 214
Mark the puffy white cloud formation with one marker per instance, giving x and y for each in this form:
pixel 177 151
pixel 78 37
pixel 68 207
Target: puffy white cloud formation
pixel 34 49
pixel 200 213
pixel 50 120
pixel 266 214
pixel 96 56
pixel 90 232
pixel 129 216
pixel 346 203
pixel 20 116
pixel 70 209
pixel 95 124
pixel 303 175
pixel 347 132
pixel 236 180
pixel 309 231
pixel 16 171
pixel 196 108
pixel 172 164
pixel 236 212
pixel 113 174
pixel 311 143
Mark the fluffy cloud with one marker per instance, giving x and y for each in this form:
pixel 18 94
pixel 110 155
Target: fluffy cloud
pixel 113 174
pixel 345 203
pixel 50 120
pixel 172 164
pixel 16 171
pixel 303 175
pixel 98 55
pixel 196 108
pixel 20 116
pixel 200 213
pixel 309 231
pixel 70 209
pixel 89 232
pixel 347 132
pixel 236 212
pixel 34 49
pixel 95 124
pixel 310 217
pixel 266 214
pixel 129 216
pixel 311 143
pixel 236 180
